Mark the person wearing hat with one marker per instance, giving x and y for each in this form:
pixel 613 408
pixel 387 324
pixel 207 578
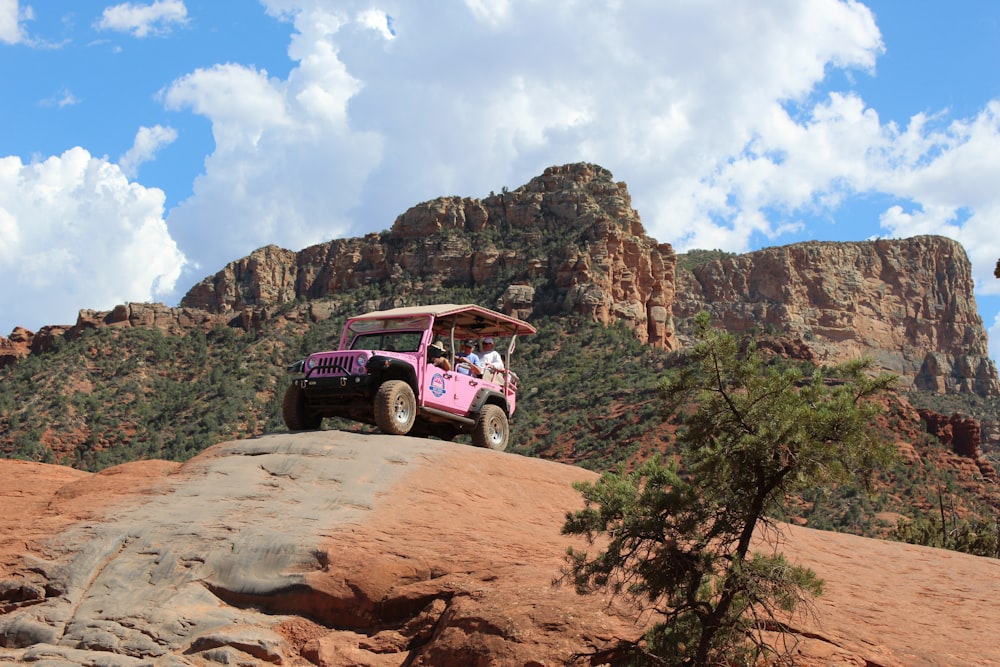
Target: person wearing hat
pixel 437 356
pixel 466 361
pixel 490 358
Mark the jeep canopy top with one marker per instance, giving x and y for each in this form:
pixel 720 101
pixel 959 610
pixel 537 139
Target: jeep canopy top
pixel 461 321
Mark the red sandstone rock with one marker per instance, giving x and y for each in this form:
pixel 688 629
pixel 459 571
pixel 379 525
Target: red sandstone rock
pixel 410 552
pixel 612 271
pixel 906 303
pixel 16 347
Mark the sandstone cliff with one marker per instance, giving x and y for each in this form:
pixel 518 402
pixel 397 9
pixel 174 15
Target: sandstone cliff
pixel 336 549
pixel 569 241
pixel 906 303
pixel 177 321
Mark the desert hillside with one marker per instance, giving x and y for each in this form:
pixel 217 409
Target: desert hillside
pixel 613 308
pixel 332 548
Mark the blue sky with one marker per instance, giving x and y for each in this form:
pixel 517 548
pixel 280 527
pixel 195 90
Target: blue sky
pixel 144 145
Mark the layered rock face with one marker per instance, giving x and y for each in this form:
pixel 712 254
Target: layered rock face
pixel 567 242
pixel 149 315
pixel 906 303
pixel 964 436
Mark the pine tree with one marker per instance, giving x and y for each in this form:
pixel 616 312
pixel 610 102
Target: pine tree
pixel 680 535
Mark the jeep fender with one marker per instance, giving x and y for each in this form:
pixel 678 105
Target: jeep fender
pixel 389 368
pixel 485 396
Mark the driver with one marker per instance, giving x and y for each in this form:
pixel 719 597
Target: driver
pixel 466 361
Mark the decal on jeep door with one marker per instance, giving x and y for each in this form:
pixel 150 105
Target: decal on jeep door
pixel 437 385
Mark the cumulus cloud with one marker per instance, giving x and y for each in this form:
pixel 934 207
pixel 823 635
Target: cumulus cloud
pixel 11 31
pixel 287 166
pixel 75 233
pixel 378 21
pixel 689 102
pixel 948 173
pixel 718 114
pixel 148 140
pixel 144 20
pixel 708 110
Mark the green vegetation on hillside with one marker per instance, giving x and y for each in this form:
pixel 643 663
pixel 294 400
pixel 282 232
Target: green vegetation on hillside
pixel 587 397
pixel 117 395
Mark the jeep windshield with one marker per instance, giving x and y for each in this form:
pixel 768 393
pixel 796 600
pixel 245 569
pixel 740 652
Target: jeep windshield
pixel 400 334
pixel 389 341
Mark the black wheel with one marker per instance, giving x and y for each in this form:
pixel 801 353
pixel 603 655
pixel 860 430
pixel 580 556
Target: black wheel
pixel 395 408
pixel 295 413
pixel 492 429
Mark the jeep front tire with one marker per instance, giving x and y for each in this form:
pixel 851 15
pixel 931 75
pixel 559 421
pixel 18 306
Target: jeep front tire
pixel 294 412
pixel 395 408
pixel 492 428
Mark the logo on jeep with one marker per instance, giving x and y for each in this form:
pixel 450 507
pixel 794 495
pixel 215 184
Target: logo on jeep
pixel 437 385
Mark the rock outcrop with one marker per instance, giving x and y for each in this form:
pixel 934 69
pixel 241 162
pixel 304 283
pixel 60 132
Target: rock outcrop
pixel 906 303
pixel 963 435
pixel 176 321
pixel 569 241
pixel 334 549
pixel 16 347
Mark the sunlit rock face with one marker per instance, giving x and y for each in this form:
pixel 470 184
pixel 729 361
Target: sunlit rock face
pixel 569 242
pixel 907 304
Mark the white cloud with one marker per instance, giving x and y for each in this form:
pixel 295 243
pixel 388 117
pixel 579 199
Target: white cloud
pixel 241 102
pixel 378 21
pixel 287 166
pixel 717 114
pixel 75 233
pixel 64 98
pixel 993 332
pixel 11 31
pixel 684 101
pixel 144 20
pixel 148 140
pixel 950 174
pixel 490 11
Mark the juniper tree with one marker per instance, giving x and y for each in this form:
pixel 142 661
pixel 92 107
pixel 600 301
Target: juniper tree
pixel 679 535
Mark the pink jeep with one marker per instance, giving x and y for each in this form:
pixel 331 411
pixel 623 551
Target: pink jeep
pixel 381 374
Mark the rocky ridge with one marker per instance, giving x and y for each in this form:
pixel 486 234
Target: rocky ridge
pixel 906 303
pixel 566 242
pixel 177 321
pixel 569 241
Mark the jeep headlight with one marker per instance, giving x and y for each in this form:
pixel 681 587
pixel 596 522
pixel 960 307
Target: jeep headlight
pixel 361 360
pixel 311 363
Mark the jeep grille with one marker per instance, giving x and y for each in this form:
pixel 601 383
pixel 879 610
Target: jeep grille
pixel 336 364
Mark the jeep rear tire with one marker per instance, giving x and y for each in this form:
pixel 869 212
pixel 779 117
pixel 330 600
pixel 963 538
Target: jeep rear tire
pixel 492 428
pixel 296 415
pixel 395 408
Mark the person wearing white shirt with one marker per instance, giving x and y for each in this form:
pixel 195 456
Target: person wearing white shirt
pixel 490 358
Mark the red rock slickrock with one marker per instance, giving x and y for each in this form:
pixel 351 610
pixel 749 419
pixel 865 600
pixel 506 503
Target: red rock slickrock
pixel 330 548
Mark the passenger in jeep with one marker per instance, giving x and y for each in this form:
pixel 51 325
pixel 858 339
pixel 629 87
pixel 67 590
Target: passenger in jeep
pixel 490 358
pixel 437 356
pixel 466 361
